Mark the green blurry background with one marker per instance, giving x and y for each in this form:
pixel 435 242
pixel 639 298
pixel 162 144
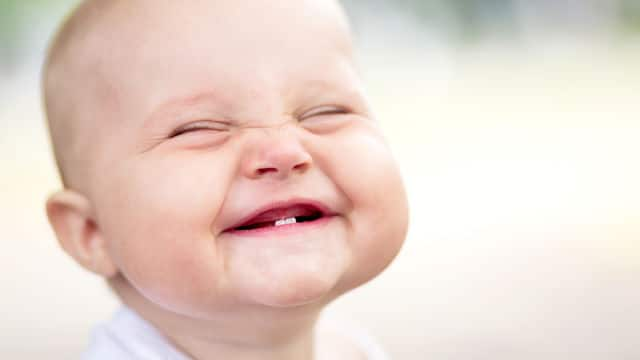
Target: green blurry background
pixel 516 125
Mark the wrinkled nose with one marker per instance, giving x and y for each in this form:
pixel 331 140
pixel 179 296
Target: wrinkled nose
pixel 275 155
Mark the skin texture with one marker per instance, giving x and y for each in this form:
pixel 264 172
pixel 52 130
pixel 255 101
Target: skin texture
pixel 188 116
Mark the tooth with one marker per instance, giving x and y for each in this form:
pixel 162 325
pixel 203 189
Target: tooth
pixel 286 221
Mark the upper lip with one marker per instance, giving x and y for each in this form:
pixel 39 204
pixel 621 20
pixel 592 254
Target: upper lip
pixel 318 205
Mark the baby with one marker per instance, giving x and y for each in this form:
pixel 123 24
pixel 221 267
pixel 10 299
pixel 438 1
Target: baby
pixel 222 171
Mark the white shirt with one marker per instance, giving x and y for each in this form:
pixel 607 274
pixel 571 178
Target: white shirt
pixel 127 336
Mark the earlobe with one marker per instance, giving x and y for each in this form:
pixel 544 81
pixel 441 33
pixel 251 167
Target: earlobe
pixel 70 215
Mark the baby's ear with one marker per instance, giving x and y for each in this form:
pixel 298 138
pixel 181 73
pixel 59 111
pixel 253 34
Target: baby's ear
pixel 70 215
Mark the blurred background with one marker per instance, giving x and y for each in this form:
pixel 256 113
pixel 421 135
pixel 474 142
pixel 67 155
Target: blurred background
pixel 516 125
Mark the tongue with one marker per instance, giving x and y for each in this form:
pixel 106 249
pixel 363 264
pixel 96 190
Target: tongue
pixel 274 215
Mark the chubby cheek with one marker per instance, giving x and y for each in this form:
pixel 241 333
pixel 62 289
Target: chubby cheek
pixel 363 167
pixel 158 226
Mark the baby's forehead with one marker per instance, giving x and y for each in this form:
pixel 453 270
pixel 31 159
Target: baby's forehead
pixel 220 39
pixel 103 33
pixel 245 55
pixel 243 22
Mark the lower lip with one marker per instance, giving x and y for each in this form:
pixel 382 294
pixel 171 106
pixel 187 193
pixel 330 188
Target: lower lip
pixel 295 228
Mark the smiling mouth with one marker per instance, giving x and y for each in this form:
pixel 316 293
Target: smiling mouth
pixel 280 222
pixel 281 216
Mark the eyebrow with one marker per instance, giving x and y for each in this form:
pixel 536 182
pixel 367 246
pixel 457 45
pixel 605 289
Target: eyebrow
pixel 174 104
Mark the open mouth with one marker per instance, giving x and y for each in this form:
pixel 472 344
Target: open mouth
pixel 281 216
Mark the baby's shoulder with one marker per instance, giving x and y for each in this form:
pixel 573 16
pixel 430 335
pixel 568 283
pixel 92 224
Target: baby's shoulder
pixel 128 336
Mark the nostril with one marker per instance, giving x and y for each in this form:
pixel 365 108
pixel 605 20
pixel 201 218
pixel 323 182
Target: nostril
pixel 301 167
pixel 280 164
pixel 265 170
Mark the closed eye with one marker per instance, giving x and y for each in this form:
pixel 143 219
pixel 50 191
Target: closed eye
pixel 324 110
pixel 206 125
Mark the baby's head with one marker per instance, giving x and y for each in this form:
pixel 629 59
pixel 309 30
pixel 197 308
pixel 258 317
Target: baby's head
pixel 219 156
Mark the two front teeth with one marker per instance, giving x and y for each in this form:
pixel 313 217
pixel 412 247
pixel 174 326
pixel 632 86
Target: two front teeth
pixel 285 221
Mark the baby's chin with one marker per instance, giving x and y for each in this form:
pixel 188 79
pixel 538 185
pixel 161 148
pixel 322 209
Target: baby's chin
pixel 302 288
pixel 291 271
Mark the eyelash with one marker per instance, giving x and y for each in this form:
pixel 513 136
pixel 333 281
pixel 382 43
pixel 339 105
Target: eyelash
pixel 199 125
pixel 325 110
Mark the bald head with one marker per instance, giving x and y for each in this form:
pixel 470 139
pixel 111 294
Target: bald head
pixel 101 54
pixel 68 85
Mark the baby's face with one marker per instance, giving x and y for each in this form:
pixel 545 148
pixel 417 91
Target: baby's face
pixel 223 123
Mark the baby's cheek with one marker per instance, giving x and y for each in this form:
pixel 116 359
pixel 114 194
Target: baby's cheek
pixel 365 170
pixel 160 236
pixel 172 267
pixel 181 276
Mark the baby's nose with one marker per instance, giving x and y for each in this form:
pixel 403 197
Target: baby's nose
pixel 275 154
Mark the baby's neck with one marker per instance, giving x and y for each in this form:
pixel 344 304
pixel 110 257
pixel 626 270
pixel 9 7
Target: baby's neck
pixel 251 336
pixel 300 347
